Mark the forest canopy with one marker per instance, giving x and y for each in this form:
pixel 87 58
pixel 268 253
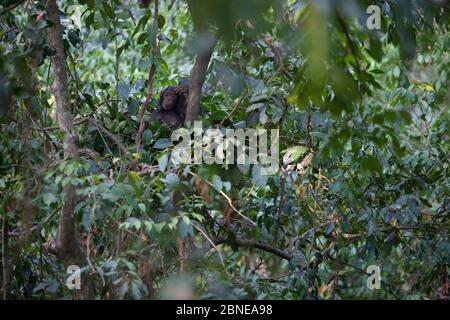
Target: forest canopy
pixel 92 93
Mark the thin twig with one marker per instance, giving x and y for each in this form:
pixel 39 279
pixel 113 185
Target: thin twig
pixel 75 123
pixel 352 49
pixel 11 7
pixel 47 219
pixel 111 136
pixel 151 75
pixel 278 58
pixel 230 202
pixel 211 242
pixel 233 110
pixel 256 244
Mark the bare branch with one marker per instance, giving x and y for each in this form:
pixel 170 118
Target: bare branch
pixel 278 58
pixel 112 137
pixel 230 202
pixel 256 244
pixel 11 7
pixel 151 75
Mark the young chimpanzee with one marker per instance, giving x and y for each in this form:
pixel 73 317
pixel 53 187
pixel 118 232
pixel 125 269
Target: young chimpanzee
pixel 172 106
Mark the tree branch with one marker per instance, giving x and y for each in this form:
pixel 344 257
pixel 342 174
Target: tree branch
pixel 112 137
pixel 352 49
pixel 11 7
pixel 151 75
pixel 278 58
pixel 256 244
pixel 75 123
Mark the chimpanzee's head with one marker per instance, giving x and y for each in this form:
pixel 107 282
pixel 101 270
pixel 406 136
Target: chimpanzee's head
pixel 168 98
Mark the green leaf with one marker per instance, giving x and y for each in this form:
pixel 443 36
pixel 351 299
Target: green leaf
pixel 217 182
pixel 124 90
pixel 185 227
pixel 370 164
pixel 147 137
pixel 259 179
pixel 371 227
pixel 49 198
pixel 86 220
pixel 161 21
pixel 339 187
pixel 159 226
pixel 148 226
pixel 74 38
pixel 108 10
pixel 135 181
pixel 163 161
pixel 330 228
pixel 162 143
pixel 142 22
pixel 132 222
pixel 293 154
pixel 142 207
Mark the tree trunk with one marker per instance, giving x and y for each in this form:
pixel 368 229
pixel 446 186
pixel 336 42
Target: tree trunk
pixel 205 48
pixel 6 277
pixel 197 78
pixel 27 207
pixel 67 245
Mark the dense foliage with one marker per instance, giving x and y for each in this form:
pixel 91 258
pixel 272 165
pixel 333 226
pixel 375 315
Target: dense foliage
pixel 364 143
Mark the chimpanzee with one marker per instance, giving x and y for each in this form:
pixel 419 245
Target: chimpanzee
pixel 172 106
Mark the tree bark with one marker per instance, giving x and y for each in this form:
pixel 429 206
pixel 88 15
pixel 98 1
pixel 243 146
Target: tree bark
pixel 205 48
pixel 196 80
pixel 27 207
pixel 6 277
pixel 67 244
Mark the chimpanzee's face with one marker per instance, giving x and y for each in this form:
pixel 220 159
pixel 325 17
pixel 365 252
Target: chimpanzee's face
pixel 169 99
